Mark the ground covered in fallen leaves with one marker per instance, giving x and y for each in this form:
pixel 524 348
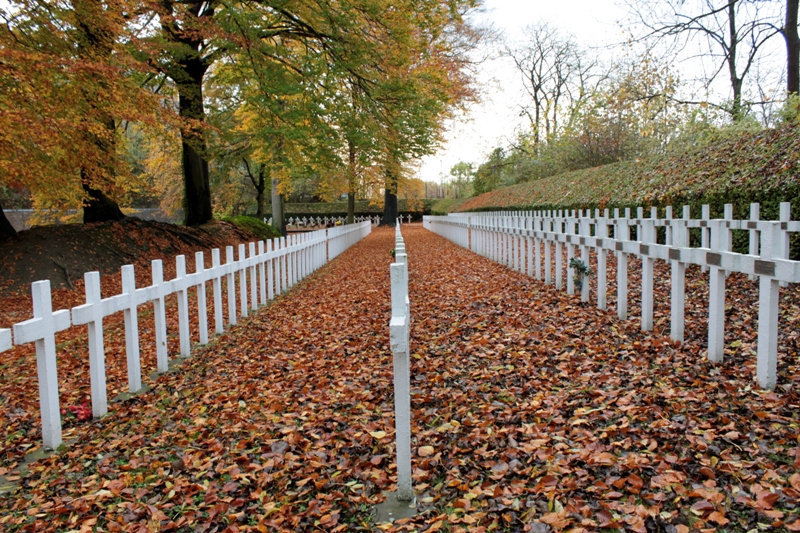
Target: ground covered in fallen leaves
pixel 532 412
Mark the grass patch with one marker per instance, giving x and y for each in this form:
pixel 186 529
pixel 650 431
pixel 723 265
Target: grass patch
pixel 253 225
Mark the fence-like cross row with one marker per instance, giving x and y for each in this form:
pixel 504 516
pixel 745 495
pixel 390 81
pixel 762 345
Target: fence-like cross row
pixel 272 269
pixel 517 240
pixel 399 340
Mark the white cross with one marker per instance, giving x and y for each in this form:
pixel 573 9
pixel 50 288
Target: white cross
pixel 158 291
pixel 129 298
pixel 202 308
pixel 5 340
pixel 42 329
pixel 92 313
pixel 180 285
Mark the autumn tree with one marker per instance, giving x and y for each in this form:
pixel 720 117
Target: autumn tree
pixel 65 85
pixel 423 93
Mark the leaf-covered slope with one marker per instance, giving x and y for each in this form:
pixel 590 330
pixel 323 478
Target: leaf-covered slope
pixel 762 166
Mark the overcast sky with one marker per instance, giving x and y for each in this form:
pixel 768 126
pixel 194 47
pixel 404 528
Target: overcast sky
pixel 596 24
pixel 496 118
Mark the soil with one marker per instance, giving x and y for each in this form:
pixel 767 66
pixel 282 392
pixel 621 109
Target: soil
pixel 64 253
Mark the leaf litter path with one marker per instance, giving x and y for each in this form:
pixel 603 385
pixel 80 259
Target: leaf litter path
pixel 532 412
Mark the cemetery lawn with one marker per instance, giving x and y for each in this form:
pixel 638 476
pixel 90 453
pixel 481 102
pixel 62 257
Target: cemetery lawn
pixel 531 412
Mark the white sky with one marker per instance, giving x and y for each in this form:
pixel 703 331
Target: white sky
pixel 496 118
pixel 595 24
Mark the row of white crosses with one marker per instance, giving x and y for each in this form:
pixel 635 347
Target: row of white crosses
pixel 399 341
pixel 518 239
pixel 374 219
pixel 267 268
pixel 298 222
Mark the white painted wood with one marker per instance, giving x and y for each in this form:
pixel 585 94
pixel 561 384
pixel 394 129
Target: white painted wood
pixel 41 330
pixel 270 269
pixel 253 280
pixel 668 232
pixel 785 210
pixel 753 234
pixel 647 237
pixel 537 249
pixel 399 341
pixel 680 239
pixel 5 339
pixel 548 268
pixel 290 261
pixel 242 268
pixel 768 308
pixel 219 324
pixel 602 262
pixel 202 306
pixel 529 248
pixel 570 230
pixel 131 318
pixel 705 231
pixel 719 238
pixel 282 266
pixel 230 271
pixel 182 293
pixel 262 274
pixel 622 233
pixel 559 254
pixel 160 313
pixel 97 355
pixel 585 232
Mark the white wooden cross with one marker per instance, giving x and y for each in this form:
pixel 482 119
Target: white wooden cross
pixel 253 282
pixel 229 271
pixel 181 287
pixel 399 339
pixel 131 313
pixel 242 280
pixel 216 284
pixel 262 278
pixel 92 313
pixel 5 340
pixel 158 291
pixel 202 308
pixel 42 329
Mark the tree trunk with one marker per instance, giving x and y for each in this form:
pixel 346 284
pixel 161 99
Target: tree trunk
pixel 792 48
pixel 262 184
pixel 277 209
pixel 390 201
pixel 99 207
pixel 6 229
pixel 736 81
pixel 351 183
pixel 351 207
pixel 197 198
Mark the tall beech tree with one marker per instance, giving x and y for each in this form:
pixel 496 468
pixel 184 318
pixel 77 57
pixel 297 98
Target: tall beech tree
pixel 98 27
pixel 65 82
pixel 424 86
